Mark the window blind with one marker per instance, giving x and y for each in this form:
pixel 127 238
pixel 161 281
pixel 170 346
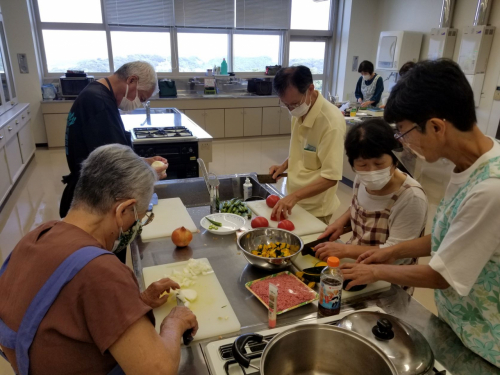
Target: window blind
pixel 263 14
pixel 139 12
pixel 207 13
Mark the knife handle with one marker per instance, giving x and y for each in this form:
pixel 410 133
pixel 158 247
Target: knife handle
pixel 187 336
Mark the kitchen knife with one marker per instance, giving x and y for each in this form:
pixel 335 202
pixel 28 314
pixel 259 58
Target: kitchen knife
pixel 187 336
pixel 308 247
pixel 268 178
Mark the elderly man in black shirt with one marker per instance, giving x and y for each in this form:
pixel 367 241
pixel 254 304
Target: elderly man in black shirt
pixel 94 119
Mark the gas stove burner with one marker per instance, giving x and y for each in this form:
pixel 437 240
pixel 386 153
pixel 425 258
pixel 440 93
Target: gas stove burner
pixel 167 132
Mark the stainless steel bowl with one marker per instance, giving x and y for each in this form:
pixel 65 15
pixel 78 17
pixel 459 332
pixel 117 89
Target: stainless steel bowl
pixel 251 240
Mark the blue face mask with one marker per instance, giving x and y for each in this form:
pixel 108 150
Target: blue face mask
pixel 125 238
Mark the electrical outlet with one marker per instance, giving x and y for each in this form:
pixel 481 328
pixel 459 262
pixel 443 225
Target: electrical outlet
pixel 496 95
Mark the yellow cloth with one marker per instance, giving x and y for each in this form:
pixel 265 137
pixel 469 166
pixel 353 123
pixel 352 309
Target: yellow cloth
pixel 323 129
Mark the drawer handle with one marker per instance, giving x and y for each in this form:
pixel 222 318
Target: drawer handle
pixel 22 117
pixel 1 137
pixel 29 112
pixel 10 128
pixel 17 122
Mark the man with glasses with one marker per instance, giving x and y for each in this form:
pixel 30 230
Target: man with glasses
pixel 316 148
pixel 94 119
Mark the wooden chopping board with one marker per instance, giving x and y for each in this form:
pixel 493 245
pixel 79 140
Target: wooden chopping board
pixel 170 214
pixel 304 222
pixel 308 261
pixel 211 304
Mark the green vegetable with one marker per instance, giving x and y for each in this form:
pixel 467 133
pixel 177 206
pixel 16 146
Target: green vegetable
pixel 213 227
pixel 216 223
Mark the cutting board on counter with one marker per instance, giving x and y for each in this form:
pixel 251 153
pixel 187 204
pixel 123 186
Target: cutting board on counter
pixel 170 214
pixel 304 222
pixel 211 307
pixel 308 261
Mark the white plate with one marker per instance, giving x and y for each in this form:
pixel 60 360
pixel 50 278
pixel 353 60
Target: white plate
pixel 231 223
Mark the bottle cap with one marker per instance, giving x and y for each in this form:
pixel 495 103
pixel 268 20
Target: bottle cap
pixel 333 262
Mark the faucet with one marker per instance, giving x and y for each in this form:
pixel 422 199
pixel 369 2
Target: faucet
pixel 148 112
pixel 212 185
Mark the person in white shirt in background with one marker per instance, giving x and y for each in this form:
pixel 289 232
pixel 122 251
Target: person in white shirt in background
pixel 433 108
pixel 388 206
pixel 316 146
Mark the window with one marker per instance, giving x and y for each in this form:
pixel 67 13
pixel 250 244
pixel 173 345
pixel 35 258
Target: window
pixel 310 15
pixel 199 52
pixel 252 53
pixel 76 49
pixel 310 54
pixel 153 47
pixel 70 11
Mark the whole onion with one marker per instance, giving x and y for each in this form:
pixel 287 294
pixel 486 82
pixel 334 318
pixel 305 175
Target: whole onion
pixel 181 237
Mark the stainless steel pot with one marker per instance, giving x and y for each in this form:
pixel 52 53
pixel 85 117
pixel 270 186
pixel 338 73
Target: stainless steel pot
pixel 251 240
pixel 316 349
pixel 404 345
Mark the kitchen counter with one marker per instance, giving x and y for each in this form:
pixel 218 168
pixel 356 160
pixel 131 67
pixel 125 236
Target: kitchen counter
pixel 233 272
pixel 187 97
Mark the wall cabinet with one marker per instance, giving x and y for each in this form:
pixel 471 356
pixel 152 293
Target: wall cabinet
pixel 233 123
pixel 271 120
pixel 56 132
pixel 252 122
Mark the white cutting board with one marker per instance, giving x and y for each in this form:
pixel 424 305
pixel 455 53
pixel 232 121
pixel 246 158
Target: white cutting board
pixel 308 261
pixel 304 222
pixel 170 214
pixel 208 307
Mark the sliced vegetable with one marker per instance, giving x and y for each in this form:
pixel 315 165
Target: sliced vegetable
pixel 216 223
pixel 321 264
pixel 286 224
pixel 272 200
pixel 273 250
pixel 260 222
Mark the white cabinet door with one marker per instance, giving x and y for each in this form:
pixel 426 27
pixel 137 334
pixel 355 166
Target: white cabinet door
pixel 10 235
pixel 5 180
pixel 197 116
pixel 26 142
pixel 252 122
pixel 285 121
pixel 14 159
pixel 233 123
pixel 214 122
pixel 271 120
pixel 55 126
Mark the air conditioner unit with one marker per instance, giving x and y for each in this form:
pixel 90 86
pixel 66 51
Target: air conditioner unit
pixel 395 48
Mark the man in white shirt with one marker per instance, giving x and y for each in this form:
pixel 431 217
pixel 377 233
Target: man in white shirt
pixel 316 146
pixel 433 108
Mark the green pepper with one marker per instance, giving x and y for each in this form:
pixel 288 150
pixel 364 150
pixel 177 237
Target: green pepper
pixel 216 223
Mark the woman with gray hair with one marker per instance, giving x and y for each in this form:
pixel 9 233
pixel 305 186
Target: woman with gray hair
pixel 67 305
pixel 94 119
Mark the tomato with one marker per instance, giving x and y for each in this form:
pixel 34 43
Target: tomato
pixel 274 218
pixel 286 224
pixel 260 222
pixel 272 200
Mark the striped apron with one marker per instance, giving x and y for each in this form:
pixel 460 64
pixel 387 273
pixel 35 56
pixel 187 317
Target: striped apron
pixel 21 340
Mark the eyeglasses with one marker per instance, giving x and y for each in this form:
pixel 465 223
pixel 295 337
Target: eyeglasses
pixel 148 219
pixel 398 135
pixel 293 106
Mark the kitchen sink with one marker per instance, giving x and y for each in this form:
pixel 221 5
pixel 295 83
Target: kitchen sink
pixel 193 192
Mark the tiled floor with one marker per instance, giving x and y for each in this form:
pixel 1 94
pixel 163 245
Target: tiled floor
pixel 36 198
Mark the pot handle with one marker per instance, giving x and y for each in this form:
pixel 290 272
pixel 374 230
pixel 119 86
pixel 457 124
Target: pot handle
pixel 239 345
pixel 383 330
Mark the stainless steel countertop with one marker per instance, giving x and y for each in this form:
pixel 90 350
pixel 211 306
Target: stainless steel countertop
pixel 233 272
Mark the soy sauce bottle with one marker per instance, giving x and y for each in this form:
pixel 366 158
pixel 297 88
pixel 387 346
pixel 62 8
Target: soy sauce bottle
pixel 330 290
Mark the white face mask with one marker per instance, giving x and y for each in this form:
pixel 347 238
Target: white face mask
pixel 301 110
pixel 375 180
pixel 129 105
pixel 367 77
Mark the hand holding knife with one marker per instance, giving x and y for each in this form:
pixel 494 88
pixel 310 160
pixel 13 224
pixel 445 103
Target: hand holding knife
pixel 187 336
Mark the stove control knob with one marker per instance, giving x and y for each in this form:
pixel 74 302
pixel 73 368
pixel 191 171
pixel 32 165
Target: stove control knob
pixel 190 150
pixel 184 150
pixel 150 152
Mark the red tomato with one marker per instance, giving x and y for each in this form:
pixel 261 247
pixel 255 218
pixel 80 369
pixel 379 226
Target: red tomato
pixel 274 218
pixel 260 222
pixel 286 224
pixel 272 200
